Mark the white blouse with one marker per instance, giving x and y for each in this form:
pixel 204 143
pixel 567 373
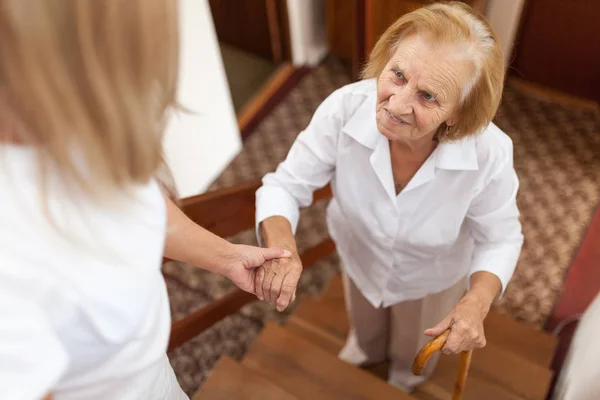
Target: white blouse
pixel 458 214
pixel 84 310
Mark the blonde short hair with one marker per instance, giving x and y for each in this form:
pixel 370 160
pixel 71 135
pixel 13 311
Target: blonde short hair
pixel 87 82
pixel 453 23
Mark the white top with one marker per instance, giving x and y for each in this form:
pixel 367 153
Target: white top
pixel 84 311
pixel 579 378
pixel 456 216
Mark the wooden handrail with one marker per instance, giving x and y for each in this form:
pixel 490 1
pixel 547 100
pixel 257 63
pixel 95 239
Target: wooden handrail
pixel 229 211
pixel 224 212
pixel 200 320
pixel 435 345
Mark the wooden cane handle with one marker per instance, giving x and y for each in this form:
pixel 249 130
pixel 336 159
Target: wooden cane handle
pixel 427 351
pixel 436 344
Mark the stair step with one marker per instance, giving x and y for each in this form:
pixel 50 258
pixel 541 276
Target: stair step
pixel 329 316
pixel 230 380
pixel 508 361
pixel 441 395
pixel 309 372
pixel 534 345
pixel 332 343
pixel 519 338
pixel 439 386
pixel 511 371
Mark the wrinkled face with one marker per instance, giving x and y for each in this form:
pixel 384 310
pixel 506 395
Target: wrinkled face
pixel 420 88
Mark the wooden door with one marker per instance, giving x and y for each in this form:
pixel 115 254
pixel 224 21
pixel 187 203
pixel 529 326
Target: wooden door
pixel 257 26
pixel 353 26
pixel 559 46
pixel 379 15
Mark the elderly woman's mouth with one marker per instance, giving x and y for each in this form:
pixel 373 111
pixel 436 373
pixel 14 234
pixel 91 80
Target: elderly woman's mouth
pixel 396 120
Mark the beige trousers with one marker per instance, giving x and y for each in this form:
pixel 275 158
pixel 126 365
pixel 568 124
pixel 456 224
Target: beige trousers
pixel 395 333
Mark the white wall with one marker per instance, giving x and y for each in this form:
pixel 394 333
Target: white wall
pixel 308 27
pixel 198 147
pixel 580 376
pixel 308 31
pixel 505 15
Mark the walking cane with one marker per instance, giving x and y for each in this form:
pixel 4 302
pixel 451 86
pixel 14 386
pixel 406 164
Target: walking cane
pixel 434 345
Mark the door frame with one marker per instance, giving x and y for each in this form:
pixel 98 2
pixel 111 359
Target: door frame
pixel 282 80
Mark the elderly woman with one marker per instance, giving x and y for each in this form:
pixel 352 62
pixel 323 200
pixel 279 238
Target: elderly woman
pixel 424 191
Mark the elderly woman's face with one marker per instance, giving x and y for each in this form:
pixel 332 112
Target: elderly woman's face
pixel 420 88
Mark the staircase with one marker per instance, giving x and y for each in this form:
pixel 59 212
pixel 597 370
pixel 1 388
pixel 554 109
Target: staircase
pixel 299 362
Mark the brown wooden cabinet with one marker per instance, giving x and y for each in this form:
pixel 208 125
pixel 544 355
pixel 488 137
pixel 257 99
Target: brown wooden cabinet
pixel 353 26
pixel 558 46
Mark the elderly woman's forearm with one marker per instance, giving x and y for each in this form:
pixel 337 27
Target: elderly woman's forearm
pixel 485 287
pixel 277 231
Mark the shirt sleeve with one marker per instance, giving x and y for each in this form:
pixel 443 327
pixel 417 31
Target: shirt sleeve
pixel 32 358
pixel 309 165
pixel 493 218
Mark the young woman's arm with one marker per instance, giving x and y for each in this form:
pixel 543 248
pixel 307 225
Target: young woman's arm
pixel 190 243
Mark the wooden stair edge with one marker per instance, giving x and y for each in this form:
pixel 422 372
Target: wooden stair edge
pixel 278 351
pixel 328 316
pixel 430 390
pixel 316 335
pixel 232 380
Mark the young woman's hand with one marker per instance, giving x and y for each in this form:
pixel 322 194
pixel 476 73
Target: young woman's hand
pixel 244 263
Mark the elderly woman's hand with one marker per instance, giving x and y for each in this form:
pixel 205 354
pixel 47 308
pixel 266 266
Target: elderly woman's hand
pixel 466 326
pixel 277 279
pixel 465 321
pixel 242 264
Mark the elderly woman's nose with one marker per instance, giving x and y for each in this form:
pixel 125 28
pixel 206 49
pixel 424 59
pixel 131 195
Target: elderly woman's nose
pixel 401 101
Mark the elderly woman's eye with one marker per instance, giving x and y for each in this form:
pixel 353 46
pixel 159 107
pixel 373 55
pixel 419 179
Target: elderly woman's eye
pixel 428 97
pixel 399 74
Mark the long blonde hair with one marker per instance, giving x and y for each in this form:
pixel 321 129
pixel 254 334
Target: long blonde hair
pixel 88 83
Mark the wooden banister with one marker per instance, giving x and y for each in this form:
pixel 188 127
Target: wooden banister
pixel 229 211
pixel 435 345
pixel 198 321
pixel 224 212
